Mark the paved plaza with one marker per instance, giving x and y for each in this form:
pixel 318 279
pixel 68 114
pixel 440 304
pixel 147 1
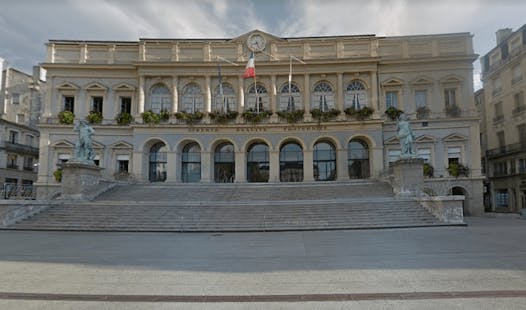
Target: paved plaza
pixel 481 266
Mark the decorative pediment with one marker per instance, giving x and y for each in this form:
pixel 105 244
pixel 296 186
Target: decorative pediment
pixel 97 145
pixel 425 139
pixel 422 80
pixel 62 144
pixel 121 145
pixel 96 87
pixel 67 86
pixel 392 82
pixel 455 137
pixel 266 35
pixel 123 87
pixel 451 79
pixel 392 140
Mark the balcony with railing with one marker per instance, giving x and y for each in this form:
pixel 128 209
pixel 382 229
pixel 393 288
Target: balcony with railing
pixel 21 149
pixel 519 109
pixel 506 150
pixel 498 118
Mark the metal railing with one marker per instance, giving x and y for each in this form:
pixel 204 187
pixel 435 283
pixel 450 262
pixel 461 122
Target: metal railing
pixel 18 192
pixel 506 149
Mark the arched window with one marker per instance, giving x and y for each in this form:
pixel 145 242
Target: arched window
pixel 356 95
pixel 257 102
pixel 224 163
pixel 160 99
pixel 358 159
pixel 157 172
pixel 322 97
pixel 258 163
pixel 191 163
pixel 290 100
pixel 192 98
pixel 225 101
pixel 324 164
pixel 291 163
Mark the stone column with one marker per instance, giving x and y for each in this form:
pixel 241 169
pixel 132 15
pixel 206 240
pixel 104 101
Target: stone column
pixel 306 98
pixel 241 167
pixel 108 108
pixel 274 166
pixel 341 165
pixel 376 162
pixel 375 101
pixel 308 161
pixel 140 104
pixel 171 173
pixel 175 94
pixel 339 95
pixel 208 95
pixel 273 93
pixel 139 170
pixel 241 96
pixel 206 167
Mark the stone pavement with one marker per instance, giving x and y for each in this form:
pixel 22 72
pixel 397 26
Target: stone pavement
pixel 481 266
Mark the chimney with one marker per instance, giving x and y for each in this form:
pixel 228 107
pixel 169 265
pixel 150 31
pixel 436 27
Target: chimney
pixel 502 34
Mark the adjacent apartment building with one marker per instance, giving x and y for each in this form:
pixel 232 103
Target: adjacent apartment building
pixel 20 103
pixel 503 111
pixel 180 110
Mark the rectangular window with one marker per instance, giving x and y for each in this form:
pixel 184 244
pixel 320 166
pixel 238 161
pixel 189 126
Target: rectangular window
pixel 12 161
pixel 497 86
pixel 125 105
pixel 522 165
pixel 518 101
pixel 450 98
pixel 500 168
pixel 69 103
pixel 501 197
pixel 28 163
pixel 393 155
pixel 13 136
pixel 391 99
pixel 516 75
pixel 30 140
pixel 425 154
pixel 15 98
pixel 20 118
pixel 62 158
pixel 512 167
pixel 521 129
pixel 123 163
pixel 96 104
pixel 454 154
pixel 421 99
pixel 501 139
pixel 499 114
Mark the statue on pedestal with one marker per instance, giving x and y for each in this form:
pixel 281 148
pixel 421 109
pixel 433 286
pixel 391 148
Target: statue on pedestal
pixel 84 147
pixel 406 137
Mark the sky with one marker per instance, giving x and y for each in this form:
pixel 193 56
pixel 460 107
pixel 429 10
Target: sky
pixel 26 25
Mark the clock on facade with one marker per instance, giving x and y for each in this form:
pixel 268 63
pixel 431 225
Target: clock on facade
pixel 256 42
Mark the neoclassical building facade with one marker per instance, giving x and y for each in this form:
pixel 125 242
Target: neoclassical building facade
pixel 179 111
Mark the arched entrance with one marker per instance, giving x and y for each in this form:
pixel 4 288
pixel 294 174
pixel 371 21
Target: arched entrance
pixel 224 163
pixel 157 166
pixel 258 163
pixel 191 163
pixel 358 159
pixel 324 163
pixel 291 163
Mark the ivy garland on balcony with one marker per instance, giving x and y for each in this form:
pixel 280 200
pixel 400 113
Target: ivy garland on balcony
pixel 393 113
pixel 457 169
pixel 324 116
pixel 66 117
pixel 223 117
pixel 360 114
pixel 255 117
pixel 94 117
pixel 124 118
pixel 428 170
pixel 291 116
pixel 422 112
pixel 189 118
pixel 150 117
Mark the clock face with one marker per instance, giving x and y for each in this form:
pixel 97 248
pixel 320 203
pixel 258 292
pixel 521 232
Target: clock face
pixel 256 42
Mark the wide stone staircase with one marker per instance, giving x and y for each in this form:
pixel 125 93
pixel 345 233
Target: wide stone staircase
pixel 236 207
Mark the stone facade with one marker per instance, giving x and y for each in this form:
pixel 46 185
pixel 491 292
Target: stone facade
pixel 20 103
pixel 503 125
pixel 428 77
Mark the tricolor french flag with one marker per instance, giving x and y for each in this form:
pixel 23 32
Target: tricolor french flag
pixel 250 69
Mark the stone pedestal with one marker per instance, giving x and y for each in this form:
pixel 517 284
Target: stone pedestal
pixel 408 177
pixel 80 181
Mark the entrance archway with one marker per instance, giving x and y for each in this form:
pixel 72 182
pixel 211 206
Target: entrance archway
pixel 258 163
pixel 291 163
pixel 358 159
pixel 157 163
pixel 191 163
pixel 324 163
pixel 224 163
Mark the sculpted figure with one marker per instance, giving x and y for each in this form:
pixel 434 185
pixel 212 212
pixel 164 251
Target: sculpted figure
pixel 406 137
pixel 84 147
